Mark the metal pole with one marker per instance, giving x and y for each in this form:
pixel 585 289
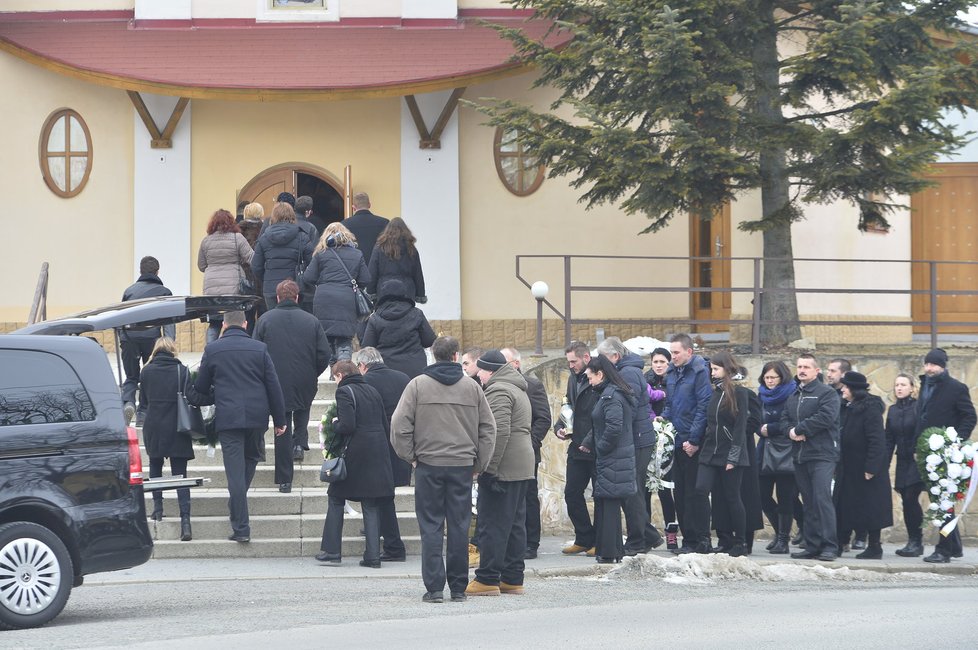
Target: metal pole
pixel 933 303
pixel 755 339
pixel 567 300
pixel 539 350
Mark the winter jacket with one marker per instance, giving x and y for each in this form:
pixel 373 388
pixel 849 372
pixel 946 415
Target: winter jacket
pixel 334 303
pixel 813 411
pixel 582 399
pixel 400 332
pixel 901 437
pixel 750 493
pixel 862 504
pixel 657 392
pixel 613 443
pixel 688 391
pixel 282 252
pixel 366 227
pixel 630 367
pixel 390 384
pixel 512 458
pixel 241 375
pixel 725 440
pixel 304 224
pixel 406 268
pixel 158 389
pixel 443 419
pixel 149 285
pixel 299 350
pixel 222 257
pixel 773 402
pixel 540 418
pixel 362 429
pixel 949 405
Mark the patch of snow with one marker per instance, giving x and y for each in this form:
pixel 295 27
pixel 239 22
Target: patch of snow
pixel 643 345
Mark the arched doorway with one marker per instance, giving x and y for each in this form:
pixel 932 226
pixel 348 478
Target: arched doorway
pixel 300 179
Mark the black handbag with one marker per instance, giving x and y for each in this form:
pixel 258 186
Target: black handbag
pixel 246 286
pixel 190 421
pixel 333 470
pixel 364 306
pixel 777 457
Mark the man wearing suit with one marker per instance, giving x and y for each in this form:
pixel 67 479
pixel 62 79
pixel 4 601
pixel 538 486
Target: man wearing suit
pixel 944 402
pixel 365 225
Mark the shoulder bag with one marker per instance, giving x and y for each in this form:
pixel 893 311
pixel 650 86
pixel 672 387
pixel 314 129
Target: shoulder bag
pixel 364 306
pixel 776 457
pixel 333 470
pixel 190 421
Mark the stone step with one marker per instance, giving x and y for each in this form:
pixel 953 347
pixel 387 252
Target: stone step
pixel 271 547
pixel 313 457
pixel 304 476
pixel 273 526
pixel 213 502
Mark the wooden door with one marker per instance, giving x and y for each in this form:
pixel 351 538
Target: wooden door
pixel 943 227
pixel 266 188
pixel 710 239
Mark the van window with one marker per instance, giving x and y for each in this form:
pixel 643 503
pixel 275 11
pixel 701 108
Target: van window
pixel 39 388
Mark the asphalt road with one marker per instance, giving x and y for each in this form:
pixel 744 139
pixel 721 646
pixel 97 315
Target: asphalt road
pixel 634 608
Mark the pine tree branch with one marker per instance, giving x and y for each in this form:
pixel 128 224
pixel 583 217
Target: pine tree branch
pixel 798 16
pixel 840 111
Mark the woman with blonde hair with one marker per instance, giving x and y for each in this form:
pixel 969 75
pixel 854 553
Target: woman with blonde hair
pixel 336 266
pixel 159 382
pixel 223 256
pixel 901 438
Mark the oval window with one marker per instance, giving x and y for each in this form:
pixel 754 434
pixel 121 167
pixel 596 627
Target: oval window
pixel 519 172
pixel 65 152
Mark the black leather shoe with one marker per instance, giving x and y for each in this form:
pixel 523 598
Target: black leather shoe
pixel 329 558
pixel 914 548
pixel 703 548
pixel 803 555
pixel 243 539
pixel 530 554
pixel 433 597
pixel 298 454
pixel 157 514
pixel 608 560
pixel 459 597
pixel 186 531
pixel 384 557
pixel 858 545
pixel 798 539
pixel 370 564
pixel 737 550
pixel 937 558
pixel 285 488
pixel 827 557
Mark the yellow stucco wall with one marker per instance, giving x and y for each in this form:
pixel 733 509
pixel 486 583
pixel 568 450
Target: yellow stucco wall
pixel 66 5
pixel 39 226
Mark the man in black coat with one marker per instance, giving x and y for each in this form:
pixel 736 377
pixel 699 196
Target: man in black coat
pixel 137 345
pixel 944 402
pixel 365 225
pixel 300 352
pixel 239 372
pixel 390 384
pixel 540 421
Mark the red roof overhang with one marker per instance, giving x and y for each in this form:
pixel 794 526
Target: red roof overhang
pixel 270 62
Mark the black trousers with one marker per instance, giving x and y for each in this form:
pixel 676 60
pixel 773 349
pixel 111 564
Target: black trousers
pixel 640 532
pixel 178 467
pixel 502 533
pixel 580 472
pixel 667 501
pixel 241 450
pixel 913 514
pixel 873 536
pixel 297 428
pixel 443 504
pixel 607 526
pixel 134 352
pixel 390 531
pixel 814 480
pixel 722 484
pixel 685 470
pixel 332 541
pixel 296 422
pixel 787 491
pixel 533 511
pixel 950 545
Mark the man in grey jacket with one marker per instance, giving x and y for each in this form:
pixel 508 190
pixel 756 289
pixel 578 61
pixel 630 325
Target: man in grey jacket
pixel 443 426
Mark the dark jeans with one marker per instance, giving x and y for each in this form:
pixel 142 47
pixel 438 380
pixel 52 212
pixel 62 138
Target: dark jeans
pixel 389 528
pixel 814 480
pixel 240 448
pixel 580 472
pixel 332 541
pixel 178 467
pixel 134 352
pixel 533 511
pixel 685 470
pixel 641 534
pixel 607 526
pixel 913 514
pixel 787 492
pixel 443 504
pixel 502 533
pixel 722 484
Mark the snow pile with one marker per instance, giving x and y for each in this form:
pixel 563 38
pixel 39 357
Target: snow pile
pixel 692 569
pixel 643 345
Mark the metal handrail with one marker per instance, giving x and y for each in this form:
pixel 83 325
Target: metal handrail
pixel 755 321
pixel 39 306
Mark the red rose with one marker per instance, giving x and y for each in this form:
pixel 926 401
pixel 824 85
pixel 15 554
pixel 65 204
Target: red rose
pixel 960 496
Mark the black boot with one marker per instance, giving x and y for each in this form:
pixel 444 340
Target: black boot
pixel 157 514
pixel 186 534
pixel 799 538
pixel 872 552
pixel 914 547
pixel 784 532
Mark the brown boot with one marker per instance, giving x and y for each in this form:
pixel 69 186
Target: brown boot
pixel 515 590
pixel 476 588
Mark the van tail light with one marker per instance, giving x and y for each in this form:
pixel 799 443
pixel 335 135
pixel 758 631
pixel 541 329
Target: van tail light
pixel 135 458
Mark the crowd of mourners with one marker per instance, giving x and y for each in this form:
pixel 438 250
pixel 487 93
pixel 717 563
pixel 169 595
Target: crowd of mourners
pixel 808 450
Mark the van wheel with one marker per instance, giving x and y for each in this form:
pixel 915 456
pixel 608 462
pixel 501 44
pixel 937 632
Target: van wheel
pixel 35 575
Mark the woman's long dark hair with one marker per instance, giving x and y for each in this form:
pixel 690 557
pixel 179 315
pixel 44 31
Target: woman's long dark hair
pixel 395 237
pixel 602 364
pixel 730 367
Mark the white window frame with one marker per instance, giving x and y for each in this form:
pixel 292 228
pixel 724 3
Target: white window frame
pixel 265 12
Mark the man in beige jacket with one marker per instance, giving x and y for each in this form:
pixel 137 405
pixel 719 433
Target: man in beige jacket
pixel 443 426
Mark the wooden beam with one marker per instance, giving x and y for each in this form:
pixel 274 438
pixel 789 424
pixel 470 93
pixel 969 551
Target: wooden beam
pixel 432 139
pixel 158 139
pixel 446 114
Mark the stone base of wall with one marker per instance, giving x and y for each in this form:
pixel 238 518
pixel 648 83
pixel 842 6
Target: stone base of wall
pixel 522 333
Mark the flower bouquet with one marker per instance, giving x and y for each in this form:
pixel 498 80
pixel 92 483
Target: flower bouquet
pixel 661 463
pixel 327 434
pixel 946 464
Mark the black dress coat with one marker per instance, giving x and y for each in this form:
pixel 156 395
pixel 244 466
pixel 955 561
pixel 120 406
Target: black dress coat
pixel 949 405
pixel 901 437
pixel 362 427
pixel 299 350
pixel 862 504
pixel 406 268
pixel 366 227
pixel 390 384
pixel 334 303
pixel 158 388
pixel 612 441
pixel 400 332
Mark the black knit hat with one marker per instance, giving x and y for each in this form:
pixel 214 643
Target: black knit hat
pixel 492 360
pixel 664 352
pixel 286 197
pixel 937 356
pixel 855 380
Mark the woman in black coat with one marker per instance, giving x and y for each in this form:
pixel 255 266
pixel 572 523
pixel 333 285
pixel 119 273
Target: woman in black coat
pixel 901 437
pixel 395 257
pixel 862 480
pixel 159 382
pixel 335 261
pixel 362 434
pixel 281 252
pixel 656 376
pixel 776 386
pixel 612 442
pixel 399 330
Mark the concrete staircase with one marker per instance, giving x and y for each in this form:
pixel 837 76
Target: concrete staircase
pixel 282 525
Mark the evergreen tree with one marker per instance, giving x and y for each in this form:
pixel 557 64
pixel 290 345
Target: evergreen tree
pixel 677 109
